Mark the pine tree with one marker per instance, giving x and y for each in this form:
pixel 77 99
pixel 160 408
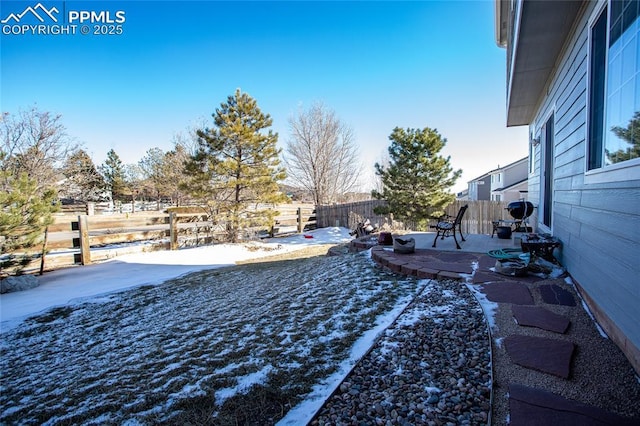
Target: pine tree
pixel 237 165
pixel 83 182
pixel 114 175
pixel 630 135
pixel 25 212
pixel 415 183
pixel 33 146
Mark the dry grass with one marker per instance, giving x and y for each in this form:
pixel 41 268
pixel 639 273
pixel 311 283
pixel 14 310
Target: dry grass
pixel 239 345
pixel 305 253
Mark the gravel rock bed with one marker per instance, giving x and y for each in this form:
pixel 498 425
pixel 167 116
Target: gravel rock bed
pixel 431 367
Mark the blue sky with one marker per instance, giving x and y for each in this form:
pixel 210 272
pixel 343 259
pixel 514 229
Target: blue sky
pixel 377 64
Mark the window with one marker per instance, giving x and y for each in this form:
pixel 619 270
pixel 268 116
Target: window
pixel 614 98
pixel 596 110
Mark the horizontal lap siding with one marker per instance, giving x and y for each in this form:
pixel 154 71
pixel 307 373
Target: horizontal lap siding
pixel 567 228
pixel 564 184
pixel 599 225
pixel 610 233
pixel 573 109
pixel 608 244
pixel 615 200
pixel 605 287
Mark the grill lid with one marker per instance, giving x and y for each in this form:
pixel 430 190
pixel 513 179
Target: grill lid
pixel 520 209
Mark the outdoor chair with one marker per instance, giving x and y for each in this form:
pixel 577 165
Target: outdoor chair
pixel 446 227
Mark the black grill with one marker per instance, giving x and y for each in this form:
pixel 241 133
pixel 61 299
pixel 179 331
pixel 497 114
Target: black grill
pixel 520 210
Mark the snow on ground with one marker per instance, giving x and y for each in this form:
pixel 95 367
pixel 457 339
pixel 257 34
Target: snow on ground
pixel 60 287
pixel 108 344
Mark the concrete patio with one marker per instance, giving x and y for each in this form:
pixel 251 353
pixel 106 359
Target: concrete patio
pixel 474 243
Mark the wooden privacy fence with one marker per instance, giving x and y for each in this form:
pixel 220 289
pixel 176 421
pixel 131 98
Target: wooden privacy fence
pixel 477 219
pixel 479 215
pixel 350 214
pixel 84 239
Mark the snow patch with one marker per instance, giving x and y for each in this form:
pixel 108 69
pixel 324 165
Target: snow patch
pixel 489 308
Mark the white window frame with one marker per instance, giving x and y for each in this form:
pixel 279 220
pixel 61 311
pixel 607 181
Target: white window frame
pixel 618 172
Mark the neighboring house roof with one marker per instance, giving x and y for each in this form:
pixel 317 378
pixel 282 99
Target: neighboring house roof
pixel 486 175
pixel 540 30
pixel 522 160
pixel 508 187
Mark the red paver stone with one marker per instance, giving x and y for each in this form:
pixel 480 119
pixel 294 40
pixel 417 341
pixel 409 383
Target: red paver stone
pixel 540 353
pixel 485 263
pixel 376 257
pixel 425 257
pixel 395 267
pixel 427 252
pixel 456 257
pixel 485 277
pixel 526 279
pixel 463 268
pixel 377 254
pixel 410 269
pixel 533 316
pixel 507 292
pixel 531 406
pixel 449 275
pixel 400 259
pixel 387 253
pixel 556 295
pixel 424 272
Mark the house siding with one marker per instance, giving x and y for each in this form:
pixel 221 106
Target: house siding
pixel 516 173
pixel 598 224
pixel 510 175
pixel 478 192
pixel 484 191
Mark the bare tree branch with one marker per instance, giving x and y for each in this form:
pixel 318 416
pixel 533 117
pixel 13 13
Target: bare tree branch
pixel 321 154
pixel 36 143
